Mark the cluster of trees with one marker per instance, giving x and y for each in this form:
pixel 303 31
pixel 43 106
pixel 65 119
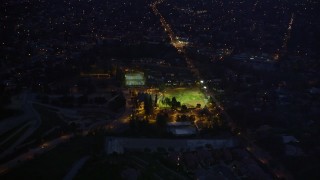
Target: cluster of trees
pixel 173 103
pixel 184 118
pixel 162 119
pixel 138 125
pixel 148 104
pixel 141 126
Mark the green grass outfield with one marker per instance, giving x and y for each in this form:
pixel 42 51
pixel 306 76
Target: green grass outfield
pixel 187 96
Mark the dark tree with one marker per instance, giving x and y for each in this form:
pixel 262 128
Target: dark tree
pixel 155 100
pixel 184 108
pixel 167 101
pixel 162 119
pixel 148 106
pixel 174 103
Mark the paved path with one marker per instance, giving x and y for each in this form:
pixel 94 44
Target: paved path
pixel 35 121
pixel 75 168
pixel 32 152
pixel 13 134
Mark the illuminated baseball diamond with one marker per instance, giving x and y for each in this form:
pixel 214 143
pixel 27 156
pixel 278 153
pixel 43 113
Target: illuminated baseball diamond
pixel 135 79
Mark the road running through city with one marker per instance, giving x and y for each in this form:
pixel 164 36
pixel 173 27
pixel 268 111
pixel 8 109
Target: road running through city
pixel 259 154
pixel 4 168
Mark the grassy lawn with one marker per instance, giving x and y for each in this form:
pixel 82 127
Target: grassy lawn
pixel 187 96
pixel 56 163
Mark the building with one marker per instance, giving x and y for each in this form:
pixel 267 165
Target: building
pixel 181 128
pixel 120 145
pixel 134 79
